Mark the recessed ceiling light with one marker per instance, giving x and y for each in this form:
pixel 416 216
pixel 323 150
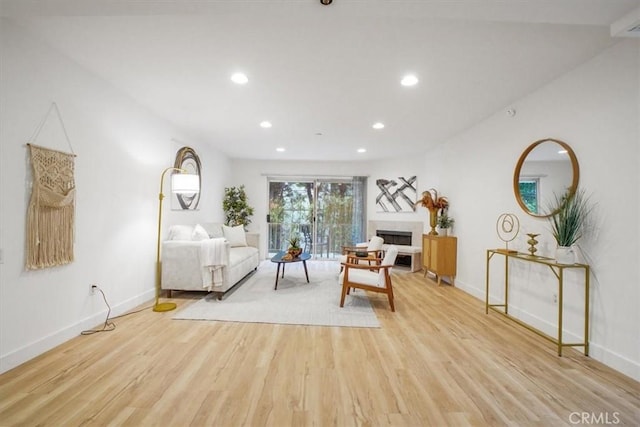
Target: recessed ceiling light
pixel 239 78
pixel 409 80
pixel 265 124
pixel 362 150
pixel 280 149
pixel 378 125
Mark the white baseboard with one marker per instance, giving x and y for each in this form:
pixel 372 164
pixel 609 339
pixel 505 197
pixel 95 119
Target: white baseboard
pixel 613 360
pixel 36 348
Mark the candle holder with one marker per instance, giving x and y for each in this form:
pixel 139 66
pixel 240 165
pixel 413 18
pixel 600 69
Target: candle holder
pixel 532 243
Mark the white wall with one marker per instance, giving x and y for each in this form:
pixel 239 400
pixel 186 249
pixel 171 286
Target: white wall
pixel 121 151
pixel 405 166
pixel 595 109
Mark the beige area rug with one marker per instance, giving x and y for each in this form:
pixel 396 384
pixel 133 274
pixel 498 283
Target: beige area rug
pixel 296 302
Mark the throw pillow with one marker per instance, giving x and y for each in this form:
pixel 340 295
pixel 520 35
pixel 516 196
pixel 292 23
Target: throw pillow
pixel 199 233
pixel 235 235
pixel 214 229
pixel 180 232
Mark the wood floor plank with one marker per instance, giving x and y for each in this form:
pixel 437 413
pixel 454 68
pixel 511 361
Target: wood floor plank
pixel 438 360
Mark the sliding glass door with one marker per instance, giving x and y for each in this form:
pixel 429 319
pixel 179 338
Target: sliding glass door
pixel 290 212
pixel 323 213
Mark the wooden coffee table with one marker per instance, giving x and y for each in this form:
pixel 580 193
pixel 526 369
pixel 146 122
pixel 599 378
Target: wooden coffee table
pixel 277 258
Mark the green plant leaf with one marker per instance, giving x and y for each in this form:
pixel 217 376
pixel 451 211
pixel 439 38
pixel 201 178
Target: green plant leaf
pixel 568 222
pixel 235 206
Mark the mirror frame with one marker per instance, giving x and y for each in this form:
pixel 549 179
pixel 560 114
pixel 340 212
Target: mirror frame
pixel 523 156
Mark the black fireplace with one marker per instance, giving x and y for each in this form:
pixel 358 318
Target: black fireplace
pixel 392 237
pixel 395 237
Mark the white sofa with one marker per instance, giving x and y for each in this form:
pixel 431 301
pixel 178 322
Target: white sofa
pixel 182 265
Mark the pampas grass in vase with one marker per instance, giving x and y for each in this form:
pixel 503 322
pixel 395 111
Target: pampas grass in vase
pixel 434 203
pixel 568 222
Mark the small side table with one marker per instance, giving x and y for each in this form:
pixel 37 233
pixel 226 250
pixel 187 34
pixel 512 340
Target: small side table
pixel 277 258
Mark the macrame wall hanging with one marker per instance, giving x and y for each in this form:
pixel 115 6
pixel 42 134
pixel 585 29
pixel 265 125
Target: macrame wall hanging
pixel 50 216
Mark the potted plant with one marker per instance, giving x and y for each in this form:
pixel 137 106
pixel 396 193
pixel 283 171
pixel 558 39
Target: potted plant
pixel 294 247
pixel 445 222
pixel 568 222
pixel 434 203
pixel 236 208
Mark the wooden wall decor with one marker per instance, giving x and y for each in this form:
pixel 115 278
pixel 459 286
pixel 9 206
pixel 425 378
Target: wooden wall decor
pixel 187 159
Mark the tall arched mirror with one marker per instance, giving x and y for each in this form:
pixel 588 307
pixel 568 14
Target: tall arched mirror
pixel 546 171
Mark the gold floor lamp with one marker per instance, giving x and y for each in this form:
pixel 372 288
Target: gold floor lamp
pixel 184 183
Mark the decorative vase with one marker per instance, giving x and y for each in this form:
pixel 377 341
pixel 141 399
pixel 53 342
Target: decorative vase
pixel 295 252
pixel 532 243
pixel 443 231
pixel 433 221
pixel 565 255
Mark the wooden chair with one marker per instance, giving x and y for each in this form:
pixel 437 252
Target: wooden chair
pixel 372 249
pixel 374 278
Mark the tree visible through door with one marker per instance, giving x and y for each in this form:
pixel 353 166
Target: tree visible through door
pixel 324 214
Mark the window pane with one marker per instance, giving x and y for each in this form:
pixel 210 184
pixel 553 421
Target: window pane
pixel 529 194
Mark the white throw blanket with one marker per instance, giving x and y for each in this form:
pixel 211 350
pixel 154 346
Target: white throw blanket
pixel 212 259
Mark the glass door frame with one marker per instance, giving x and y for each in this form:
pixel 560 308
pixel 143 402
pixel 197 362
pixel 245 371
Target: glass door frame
pixel 280 239
pixel 318 246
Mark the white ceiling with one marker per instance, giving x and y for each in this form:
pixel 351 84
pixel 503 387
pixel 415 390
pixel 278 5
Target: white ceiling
pixel 329 70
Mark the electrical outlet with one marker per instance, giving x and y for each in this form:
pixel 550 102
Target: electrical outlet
pixel 1 256
pixel 93 289
pixel 555 298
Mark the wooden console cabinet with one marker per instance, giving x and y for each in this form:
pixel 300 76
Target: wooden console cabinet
pixel 439 256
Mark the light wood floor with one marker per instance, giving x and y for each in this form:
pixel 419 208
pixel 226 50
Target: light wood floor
pixel 438 360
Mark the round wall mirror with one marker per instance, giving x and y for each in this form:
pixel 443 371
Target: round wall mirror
pixel 546 172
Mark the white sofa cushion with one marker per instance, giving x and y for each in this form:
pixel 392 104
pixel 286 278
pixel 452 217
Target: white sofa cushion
pixel 180 232
pixel 235 235
pixel 199 233
pixel 239 254
pixel 214 229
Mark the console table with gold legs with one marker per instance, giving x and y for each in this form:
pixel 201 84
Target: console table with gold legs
pixel 558 271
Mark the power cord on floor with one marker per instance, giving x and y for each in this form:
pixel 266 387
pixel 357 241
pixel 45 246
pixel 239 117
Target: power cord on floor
pixel 108 325
pixel 133 312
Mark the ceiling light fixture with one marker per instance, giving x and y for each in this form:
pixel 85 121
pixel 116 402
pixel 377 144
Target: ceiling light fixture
pixel 378 125
pixel 409 80
pixel 326 2
pixel 265 124
pixel 280 149
pixel 239 78
pixel 362 150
